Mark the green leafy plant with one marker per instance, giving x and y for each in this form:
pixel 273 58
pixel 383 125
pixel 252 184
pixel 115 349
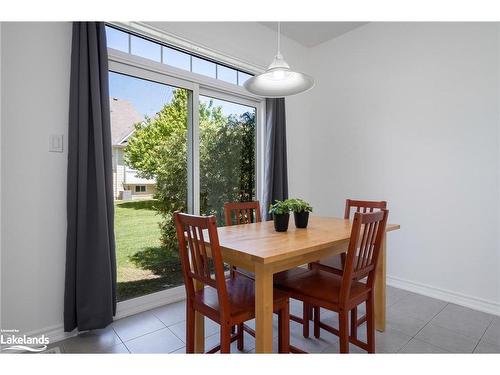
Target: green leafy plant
pixel 298 205
pixel 279 208
pixel 158 150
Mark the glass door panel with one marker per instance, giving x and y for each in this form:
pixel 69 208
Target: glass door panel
pixel 150 127
pixel 227 154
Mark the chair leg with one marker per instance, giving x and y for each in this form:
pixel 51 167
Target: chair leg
pixel 354 322
pixel 305 323
pixel 316 322
pixel 370 324
pixel 240 342
pixel 225 338
pixel 189 328
pixel 344 331
pixel 284 330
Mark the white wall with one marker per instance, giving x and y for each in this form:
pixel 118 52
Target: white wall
pixel 409 113
pixel 35 95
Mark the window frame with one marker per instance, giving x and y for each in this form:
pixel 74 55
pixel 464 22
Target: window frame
pixel 142 68
pixel 149 35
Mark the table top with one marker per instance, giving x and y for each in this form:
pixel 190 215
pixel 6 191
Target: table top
pixel 264 245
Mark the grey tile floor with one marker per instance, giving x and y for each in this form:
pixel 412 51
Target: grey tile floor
pixel 415 324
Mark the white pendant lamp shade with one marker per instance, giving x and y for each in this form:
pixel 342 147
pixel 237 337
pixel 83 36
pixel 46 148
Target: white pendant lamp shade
pixel 279 80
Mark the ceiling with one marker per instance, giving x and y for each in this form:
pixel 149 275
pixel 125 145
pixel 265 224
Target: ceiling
pixel 311 34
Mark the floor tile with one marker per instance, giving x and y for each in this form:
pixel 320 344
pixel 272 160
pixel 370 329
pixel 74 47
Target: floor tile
pixel 389 341
pixel 469 322
pixel 137 325
pixel 447 339
pixel 335 349
pixel 418 306
pixel 486 347
pixel 295 307
pixel 179 329
pixel 417 346
pixel 331 318
pixel 403 322
pixel 311 344
pixel 162 341
pixel 492 334
pixel 95 341
pixel 117 349
pixel 171 314
pixel 249 343
pixel 394 294
pixel 179 351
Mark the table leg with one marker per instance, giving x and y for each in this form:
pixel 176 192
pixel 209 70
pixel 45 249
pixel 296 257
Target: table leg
pixel 199 327
pixel 380 280
pixel 263 309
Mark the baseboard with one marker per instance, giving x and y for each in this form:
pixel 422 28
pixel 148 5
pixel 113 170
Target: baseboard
pixel 150 301
pixel 475 303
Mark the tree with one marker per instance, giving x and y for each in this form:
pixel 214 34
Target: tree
pixel 158 149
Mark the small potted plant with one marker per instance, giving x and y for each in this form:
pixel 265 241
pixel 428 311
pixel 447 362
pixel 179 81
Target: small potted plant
pixel 300 209
pixel 281 215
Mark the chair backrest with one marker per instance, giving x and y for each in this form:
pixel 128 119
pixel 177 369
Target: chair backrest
pixel 199 263
pixel 367 234
pixel 243 212
pixel 362 206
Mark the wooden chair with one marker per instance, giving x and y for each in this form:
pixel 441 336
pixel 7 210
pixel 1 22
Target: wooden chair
pixel 243 212
pixel 336 263
pixel 229 302
pixel 344 293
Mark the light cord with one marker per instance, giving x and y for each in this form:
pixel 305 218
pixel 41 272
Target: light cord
pixel 279 32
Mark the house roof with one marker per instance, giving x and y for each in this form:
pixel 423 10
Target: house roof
pixel 123 118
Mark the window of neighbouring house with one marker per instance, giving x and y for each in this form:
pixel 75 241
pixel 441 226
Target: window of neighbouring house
pixel 140 189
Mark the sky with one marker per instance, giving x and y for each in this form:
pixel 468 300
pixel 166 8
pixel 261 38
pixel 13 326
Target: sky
pixel 149 97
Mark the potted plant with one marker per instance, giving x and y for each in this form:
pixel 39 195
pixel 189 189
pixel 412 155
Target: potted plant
pixel 300 209
pixel 281 215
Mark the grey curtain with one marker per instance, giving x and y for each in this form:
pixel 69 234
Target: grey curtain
pixel 275 171
pixel 90 288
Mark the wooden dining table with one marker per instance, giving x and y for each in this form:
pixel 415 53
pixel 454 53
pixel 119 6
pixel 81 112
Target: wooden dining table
pixel 260 249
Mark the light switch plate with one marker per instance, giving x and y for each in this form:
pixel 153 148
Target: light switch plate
pixel 56 143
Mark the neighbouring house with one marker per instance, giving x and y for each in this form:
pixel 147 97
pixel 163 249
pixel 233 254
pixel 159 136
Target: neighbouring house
pixel 126 183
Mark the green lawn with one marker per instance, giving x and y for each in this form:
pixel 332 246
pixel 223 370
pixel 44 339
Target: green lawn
pixel 143 265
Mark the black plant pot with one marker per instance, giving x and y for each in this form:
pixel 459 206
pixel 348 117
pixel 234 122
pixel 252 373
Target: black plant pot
pixel 301 219
pixel 281 222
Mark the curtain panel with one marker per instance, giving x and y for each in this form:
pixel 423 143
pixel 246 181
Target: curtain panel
pixel 275 171
pixel 90 285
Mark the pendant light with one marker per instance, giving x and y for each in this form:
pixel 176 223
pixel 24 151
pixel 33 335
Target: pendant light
pixel 279 80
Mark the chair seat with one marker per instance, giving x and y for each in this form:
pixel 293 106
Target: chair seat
pixel 241 297
pixel 318 287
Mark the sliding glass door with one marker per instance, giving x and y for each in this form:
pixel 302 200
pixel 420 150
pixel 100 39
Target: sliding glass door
pixel 173 149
